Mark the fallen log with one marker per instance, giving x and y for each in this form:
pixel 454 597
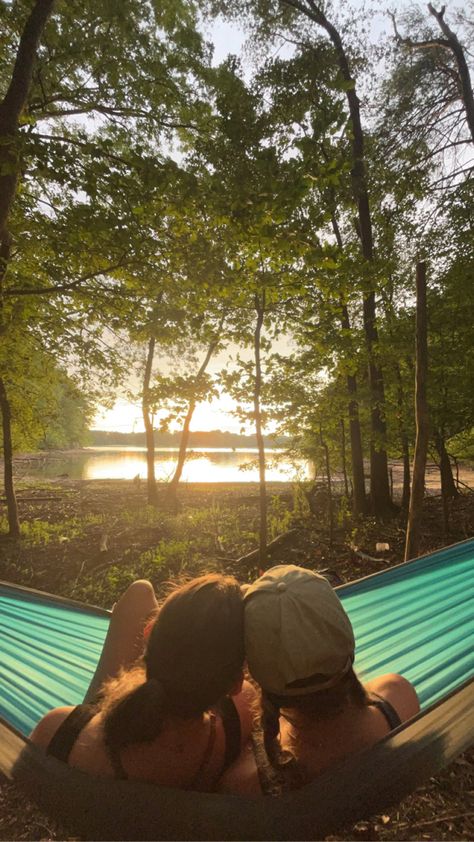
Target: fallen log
pixel 280 541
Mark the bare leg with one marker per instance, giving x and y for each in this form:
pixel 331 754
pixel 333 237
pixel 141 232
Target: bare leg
pixel 124 641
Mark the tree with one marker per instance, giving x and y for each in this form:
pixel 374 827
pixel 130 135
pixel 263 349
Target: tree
pixel 422 417
pixel 11 109
pixel 69 171
pixel 267 18
pixel 429 105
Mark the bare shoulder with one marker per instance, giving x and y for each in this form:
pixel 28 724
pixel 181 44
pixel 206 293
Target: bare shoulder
pixel 46 728
pixel 398 691
pixel 242 777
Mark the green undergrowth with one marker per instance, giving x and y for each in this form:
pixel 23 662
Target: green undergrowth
pixel 195 541
pixel 37 532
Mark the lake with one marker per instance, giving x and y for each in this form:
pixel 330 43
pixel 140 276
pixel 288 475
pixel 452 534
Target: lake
pixel 202 465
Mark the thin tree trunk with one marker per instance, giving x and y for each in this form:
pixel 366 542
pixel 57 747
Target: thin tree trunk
pixel 456 465
pixel 448 486
pixel 343 457
pixel 183 445
pixel 148 422
pixel 12 507
pixel 329 485
pixel 359 500
pixel 404 442
pixel 422 417
pixel 406 472
pixel 260 310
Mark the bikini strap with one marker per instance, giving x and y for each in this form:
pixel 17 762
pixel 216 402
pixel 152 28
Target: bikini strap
pixel 387 709
pixel 207 754
pixel 61 744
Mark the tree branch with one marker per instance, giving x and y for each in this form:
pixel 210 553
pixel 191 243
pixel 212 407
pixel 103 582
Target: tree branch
pixel 54 290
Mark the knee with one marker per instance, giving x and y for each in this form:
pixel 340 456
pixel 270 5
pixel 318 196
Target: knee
pixel 139 596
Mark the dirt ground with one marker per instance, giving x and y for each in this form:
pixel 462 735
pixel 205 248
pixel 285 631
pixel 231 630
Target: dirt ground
pixel 88 540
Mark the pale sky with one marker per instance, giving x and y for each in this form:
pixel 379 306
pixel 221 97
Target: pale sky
pixel 126 417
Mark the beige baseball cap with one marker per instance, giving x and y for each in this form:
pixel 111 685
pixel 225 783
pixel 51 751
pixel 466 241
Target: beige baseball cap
pixel 296 629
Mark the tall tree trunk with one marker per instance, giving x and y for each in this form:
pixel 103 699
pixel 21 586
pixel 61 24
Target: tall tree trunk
pixel 343 457
pixel 406 472
pixel 448 486
pixel 148 422
pixel 422 417
pixel 183 445
pixel 403 441
pixel 14 103
pixel 329 485
pixel 11 108
pixel 260 310
pixel 359 499
pixel 12 507
pixel 379 484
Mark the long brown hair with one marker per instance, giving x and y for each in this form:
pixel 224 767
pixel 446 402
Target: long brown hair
pixel 194 655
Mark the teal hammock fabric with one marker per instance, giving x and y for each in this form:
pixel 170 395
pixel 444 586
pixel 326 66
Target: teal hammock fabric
pixel 416 619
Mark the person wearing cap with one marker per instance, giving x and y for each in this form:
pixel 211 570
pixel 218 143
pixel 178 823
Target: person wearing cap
pixel 314 710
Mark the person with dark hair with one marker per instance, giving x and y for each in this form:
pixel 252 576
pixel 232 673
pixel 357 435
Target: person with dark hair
pixel 178 716
pixel 314 710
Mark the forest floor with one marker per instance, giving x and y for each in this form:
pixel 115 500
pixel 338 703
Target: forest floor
pixel 89 539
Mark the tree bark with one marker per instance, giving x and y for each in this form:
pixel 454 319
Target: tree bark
pixel 422 417
pixel 260 310
pixel 12 507
pixel 148 422
pixel 329 485
pixel 406 472
pixel 14 103
pixel 359 499
pixel 448 486
pixel 343 457
pixel 404 442
pixel 183 445
pixel 11 108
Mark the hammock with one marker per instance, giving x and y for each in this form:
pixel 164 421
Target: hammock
pixel 416 619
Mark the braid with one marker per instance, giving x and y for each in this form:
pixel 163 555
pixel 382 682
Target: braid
pixel 271 728
pixel 286 769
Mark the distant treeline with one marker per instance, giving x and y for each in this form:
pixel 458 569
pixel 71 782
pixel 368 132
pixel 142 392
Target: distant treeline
pixel 214 438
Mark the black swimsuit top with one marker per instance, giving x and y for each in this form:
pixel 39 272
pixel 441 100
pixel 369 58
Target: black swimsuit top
pixel 62 743
pixel 274 781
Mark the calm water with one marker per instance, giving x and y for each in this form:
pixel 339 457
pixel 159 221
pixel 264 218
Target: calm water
pixel 202 465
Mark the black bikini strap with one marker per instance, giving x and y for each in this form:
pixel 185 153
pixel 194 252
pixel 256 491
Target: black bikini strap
pixel 232 730
pixel 387 709
pixel 61 744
